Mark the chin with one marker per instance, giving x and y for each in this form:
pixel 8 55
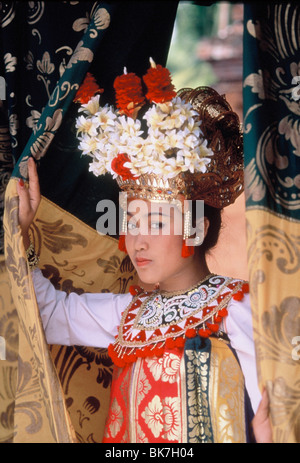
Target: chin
pixel 147 282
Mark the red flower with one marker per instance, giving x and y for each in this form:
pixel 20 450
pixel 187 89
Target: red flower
pixel 129 94
pixel 87 90
pixel 159 84
pixel 117 166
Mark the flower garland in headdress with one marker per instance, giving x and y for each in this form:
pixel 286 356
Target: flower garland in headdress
pixel 114 138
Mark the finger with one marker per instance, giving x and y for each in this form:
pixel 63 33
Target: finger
pixel 32 173
pixel 22 190
pixel 21 187
pixel 24 199
pixel 263 408
pixel 34 185
pixel 265 401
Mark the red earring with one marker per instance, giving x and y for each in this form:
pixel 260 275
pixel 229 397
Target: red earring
pixel 122 245
pixel 187 251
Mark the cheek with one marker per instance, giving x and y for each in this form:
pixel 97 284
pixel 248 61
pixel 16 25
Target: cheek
pixel 169 247
pixel 164 247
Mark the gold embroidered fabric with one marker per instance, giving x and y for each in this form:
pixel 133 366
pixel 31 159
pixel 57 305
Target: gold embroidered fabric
pixel 226 395
pixel 62 393
pixel 9 347
pixel 221 402
pixel 272 166
pixel 273 250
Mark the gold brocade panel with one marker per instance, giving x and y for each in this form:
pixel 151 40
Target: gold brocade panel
pixel 9 348
pixel 62 393
pixel 273 251
pixel 226 390
pixel 272 166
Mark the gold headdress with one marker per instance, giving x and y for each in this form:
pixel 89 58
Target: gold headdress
pixel 192 147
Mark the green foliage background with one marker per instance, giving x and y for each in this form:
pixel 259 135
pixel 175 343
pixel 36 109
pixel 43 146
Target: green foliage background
pixel 193 23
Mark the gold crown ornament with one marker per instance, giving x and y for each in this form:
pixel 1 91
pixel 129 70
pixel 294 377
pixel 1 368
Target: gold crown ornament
pixel 192 146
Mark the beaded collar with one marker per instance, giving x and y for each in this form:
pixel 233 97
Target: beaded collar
pixel 158 320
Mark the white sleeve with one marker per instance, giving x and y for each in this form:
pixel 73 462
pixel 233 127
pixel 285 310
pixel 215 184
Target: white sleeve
pixel 84 320
pixel 238 325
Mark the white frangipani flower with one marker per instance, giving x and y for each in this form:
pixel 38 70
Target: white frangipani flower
pixel 173 143
pixel 87 126
pixel 92 106
pixel 88 144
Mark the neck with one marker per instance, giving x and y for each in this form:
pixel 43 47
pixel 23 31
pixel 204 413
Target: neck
pixel 193 273
pixel 189 278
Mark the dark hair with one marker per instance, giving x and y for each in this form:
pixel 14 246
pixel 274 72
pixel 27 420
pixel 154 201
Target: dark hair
pixel 214 216
pixel 215 223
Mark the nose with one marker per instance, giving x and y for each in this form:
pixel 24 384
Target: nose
pixel 141 242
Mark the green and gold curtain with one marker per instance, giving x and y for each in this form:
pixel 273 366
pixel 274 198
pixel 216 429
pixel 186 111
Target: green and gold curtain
pixel 272 174
pixel 53 393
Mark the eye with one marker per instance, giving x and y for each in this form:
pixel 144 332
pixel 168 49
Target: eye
pixel 131 225
pixel 157 225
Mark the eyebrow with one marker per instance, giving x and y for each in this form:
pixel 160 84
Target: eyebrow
pixel 131 214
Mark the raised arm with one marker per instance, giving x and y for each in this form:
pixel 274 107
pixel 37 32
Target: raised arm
pixel 88 319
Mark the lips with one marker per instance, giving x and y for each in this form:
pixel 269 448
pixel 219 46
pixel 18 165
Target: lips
pixel 142 261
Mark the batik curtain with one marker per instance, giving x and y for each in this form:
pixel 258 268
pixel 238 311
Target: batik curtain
pixel 272 186
pixel 60 394
pixel 39 409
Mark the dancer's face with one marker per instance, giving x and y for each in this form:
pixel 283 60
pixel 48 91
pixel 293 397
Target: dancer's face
pixel 154 243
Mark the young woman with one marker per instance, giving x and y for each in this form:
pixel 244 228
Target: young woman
pixel 183 352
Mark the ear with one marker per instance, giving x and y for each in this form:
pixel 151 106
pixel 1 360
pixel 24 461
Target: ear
pixel 202 226
pixel 206 226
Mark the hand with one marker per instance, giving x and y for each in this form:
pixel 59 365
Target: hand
pixel 261 422
pixel 29 200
